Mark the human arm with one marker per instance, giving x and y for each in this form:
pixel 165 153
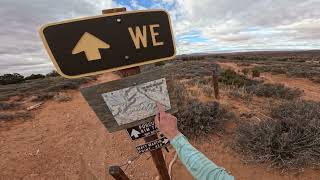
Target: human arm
pixel 197 163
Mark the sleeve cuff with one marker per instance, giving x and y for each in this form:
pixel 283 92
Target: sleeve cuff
pixel 178 141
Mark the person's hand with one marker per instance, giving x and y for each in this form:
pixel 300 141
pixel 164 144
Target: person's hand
pixel 166 123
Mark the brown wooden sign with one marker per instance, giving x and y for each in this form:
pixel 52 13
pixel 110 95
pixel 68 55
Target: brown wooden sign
pixel 128 102
pixel 109 42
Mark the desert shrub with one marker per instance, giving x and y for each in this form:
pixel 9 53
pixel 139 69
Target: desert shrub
pixel 204 81
pixel 244 64
pixel 43 97
pixel 255 73
pixel 278 70
pixel 274 90
pixel 67 84
pixel 245 71
pixel 190 69
pixel 8 105
pixel 196 119
pixel 208 91
pixel 230 77
pixel 39 86
pixel 11 79
pixel 194 93
pixel 53 74
pixel 240 93
pixel 192 82
pixel 288 140
pixel 191 58
pixel 180 93
pixel 303 72
pixel 34 76
pixel 61 97
pixel 16 115
pixel 316 79
pixel 263 68
pixel 199 81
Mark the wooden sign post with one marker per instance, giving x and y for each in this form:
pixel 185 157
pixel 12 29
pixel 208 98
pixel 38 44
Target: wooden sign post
pixel 157 155
pixel 121 41
pixel 215 78
pixel 117 173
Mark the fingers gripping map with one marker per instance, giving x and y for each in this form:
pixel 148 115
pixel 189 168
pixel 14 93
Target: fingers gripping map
pixel 137 102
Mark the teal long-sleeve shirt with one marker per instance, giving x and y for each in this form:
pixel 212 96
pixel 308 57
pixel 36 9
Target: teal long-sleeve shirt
pixel 197 164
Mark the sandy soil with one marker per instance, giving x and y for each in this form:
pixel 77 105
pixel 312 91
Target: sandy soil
pixel 67 141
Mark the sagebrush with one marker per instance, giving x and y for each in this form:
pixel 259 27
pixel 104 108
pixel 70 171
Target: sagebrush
pixel 290 139
pixel 197 119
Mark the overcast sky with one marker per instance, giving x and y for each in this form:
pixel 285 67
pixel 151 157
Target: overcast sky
pixel 198 25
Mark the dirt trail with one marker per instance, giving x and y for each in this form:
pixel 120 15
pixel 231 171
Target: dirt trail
pixel 67 141
pixel 311 90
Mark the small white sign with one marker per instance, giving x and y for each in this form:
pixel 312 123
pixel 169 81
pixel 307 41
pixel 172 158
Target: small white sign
pixel 137 102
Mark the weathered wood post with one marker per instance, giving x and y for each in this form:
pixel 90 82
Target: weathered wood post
pixel 215 78
pixel 157 155
pixel 117 173
pixel 158 159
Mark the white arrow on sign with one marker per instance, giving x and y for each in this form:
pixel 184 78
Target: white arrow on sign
pixel 135 133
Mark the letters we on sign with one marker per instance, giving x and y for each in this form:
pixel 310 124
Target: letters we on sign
pixel 137 36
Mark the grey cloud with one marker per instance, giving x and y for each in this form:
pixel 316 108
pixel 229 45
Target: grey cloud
pixel 21 49
pixel 224 24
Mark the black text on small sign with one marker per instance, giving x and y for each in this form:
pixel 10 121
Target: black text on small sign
pixel 152 145
pixel 142 130
pixel 108 42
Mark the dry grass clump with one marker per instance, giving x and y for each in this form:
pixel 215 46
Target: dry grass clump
pixel 8 105
pixel 197 119
pixel 41 86
pixel 43 97
pixel 301 70
pixel 208 91
pixel 290 139
pixel 274 90
pixel 181 94
pixel 16 115
pixel 190 69
pixel 240 93
pixel 230 77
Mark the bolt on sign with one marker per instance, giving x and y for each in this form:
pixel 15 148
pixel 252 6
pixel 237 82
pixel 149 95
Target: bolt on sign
pixel 131 101
pixel 109 42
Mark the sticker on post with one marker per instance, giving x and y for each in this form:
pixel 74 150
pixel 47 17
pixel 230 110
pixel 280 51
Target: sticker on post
pixel 137 102
pixel 142 130
pixel 153 145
